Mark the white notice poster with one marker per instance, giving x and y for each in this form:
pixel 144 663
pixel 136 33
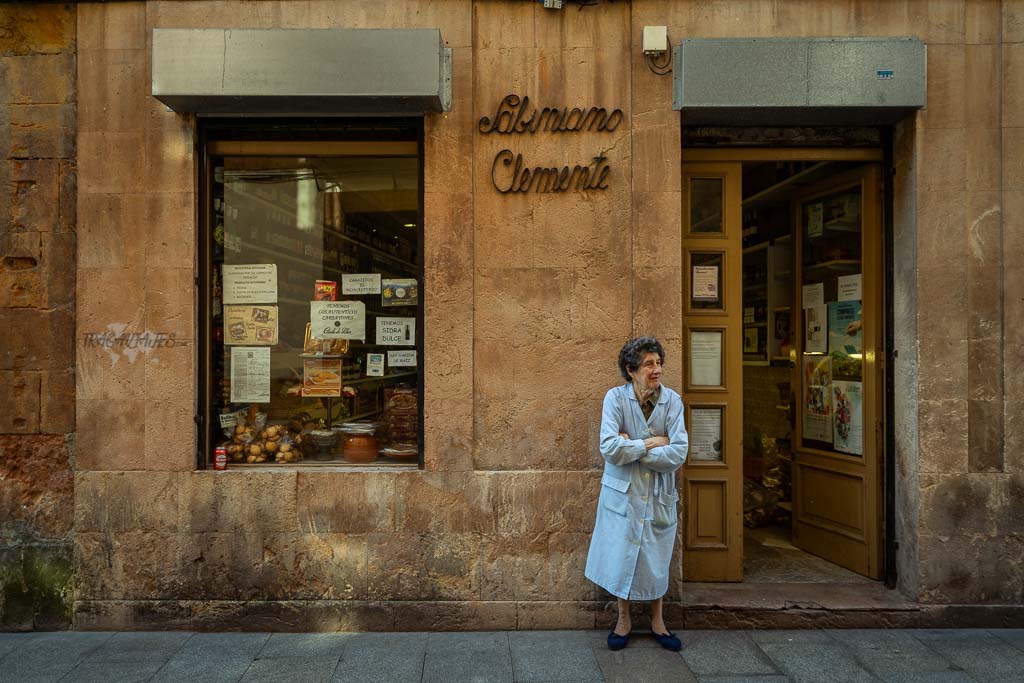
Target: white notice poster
pixel 337 319
pixel 814 295
pixel 705 283
pixel 375 365
pixel 849 288
pixel 250 283
pixel 250 374
pixel 396 331
pixel 402 359
pixel 705 358
pixel 816 339
pixel 705 430
pixel 360 283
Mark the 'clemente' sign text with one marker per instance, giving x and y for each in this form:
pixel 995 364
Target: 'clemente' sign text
pixel 515 116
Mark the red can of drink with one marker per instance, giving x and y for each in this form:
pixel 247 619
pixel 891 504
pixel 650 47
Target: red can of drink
pixel 220 458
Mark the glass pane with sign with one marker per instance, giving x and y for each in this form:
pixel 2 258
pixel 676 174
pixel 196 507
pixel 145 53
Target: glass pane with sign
pixel 313 302
pixel 831 302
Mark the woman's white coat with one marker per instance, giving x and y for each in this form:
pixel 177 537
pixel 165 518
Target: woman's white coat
pixel 637 511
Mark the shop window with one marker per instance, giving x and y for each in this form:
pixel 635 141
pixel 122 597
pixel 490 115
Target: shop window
pixel 313 302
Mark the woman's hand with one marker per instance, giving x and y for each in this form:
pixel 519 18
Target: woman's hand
pixel 655 442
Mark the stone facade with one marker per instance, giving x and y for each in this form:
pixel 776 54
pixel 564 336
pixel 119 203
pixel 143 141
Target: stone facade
pixel 37 314
pixel 493 533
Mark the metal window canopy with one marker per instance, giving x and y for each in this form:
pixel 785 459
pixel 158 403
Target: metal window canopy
pixel 798 81
pixel 302 71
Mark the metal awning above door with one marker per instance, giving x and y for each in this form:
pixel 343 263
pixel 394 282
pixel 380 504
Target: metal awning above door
pixel 302 71
pixel 798 81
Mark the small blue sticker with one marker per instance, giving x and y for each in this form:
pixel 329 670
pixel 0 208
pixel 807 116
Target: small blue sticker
pixel 885 74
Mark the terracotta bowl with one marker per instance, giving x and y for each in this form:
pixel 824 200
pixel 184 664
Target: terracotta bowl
pixel 361 448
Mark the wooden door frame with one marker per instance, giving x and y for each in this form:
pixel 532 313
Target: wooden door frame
pixel 885 488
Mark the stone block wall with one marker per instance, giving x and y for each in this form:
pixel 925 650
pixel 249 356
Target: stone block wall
pixel 37 314
pixel 527 297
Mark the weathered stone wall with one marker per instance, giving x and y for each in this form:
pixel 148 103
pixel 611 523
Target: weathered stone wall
pixel 37 314
pixel 523 294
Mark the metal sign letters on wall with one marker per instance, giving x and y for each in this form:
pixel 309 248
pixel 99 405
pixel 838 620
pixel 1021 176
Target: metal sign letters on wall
pixel 515 117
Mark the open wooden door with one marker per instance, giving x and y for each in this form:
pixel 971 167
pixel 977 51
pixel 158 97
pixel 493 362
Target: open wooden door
pixel 713 378
pixel 838 379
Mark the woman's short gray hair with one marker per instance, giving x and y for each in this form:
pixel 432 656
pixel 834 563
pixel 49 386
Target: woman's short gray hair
pixel 632 354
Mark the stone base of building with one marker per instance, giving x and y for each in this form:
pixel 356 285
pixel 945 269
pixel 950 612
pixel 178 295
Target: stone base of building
pixel 329 616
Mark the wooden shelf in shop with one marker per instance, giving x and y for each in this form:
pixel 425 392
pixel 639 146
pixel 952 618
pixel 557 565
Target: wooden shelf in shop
pixel 367 380
pixel 755 324
pixel 757 363
pixel 761 246
pixel 782 359
pixel 837 264
pixel 778 191
pixel 780 309
pixel 785 505
pixel 782 408
pixel 374 250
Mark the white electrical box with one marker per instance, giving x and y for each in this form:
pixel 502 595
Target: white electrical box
pixel 655 39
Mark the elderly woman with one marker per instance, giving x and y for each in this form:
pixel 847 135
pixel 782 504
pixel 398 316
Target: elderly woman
pixel 643 442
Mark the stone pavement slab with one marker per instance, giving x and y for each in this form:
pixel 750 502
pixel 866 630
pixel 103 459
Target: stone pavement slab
pixel 278 669
pixel 225 645
pixel 202 669
pixel 1013 636
pixel 304 645
pixel 742 679
pixel 10 641
pixel 891 651
pixel 814 662
pixel 642 664
pixel 113 672
pixel 369 656
pixel 728 653
pixel 977 652
pixel 552 656
pixel 927 677
pixel 133 647
pixel 483 657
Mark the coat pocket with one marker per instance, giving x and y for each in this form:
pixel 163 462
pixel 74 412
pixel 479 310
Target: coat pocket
pixel 614 496
pixel 666 510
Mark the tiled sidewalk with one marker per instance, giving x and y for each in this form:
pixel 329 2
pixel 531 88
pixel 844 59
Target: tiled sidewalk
pixel 884 655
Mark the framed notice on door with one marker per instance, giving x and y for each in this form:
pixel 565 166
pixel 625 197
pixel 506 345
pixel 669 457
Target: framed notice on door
pixel 705 367
pixel 705 278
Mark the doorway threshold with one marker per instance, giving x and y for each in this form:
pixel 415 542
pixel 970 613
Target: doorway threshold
pixel 820 605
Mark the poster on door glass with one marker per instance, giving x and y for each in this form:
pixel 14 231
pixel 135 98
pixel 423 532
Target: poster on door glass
pixel 845 340
pixel 817 417
pixel 848 400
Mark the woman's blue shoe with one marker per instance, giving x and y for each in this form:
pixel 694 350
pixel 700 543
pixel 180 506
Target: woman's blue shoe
pixel 617 642
pixel 668 641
